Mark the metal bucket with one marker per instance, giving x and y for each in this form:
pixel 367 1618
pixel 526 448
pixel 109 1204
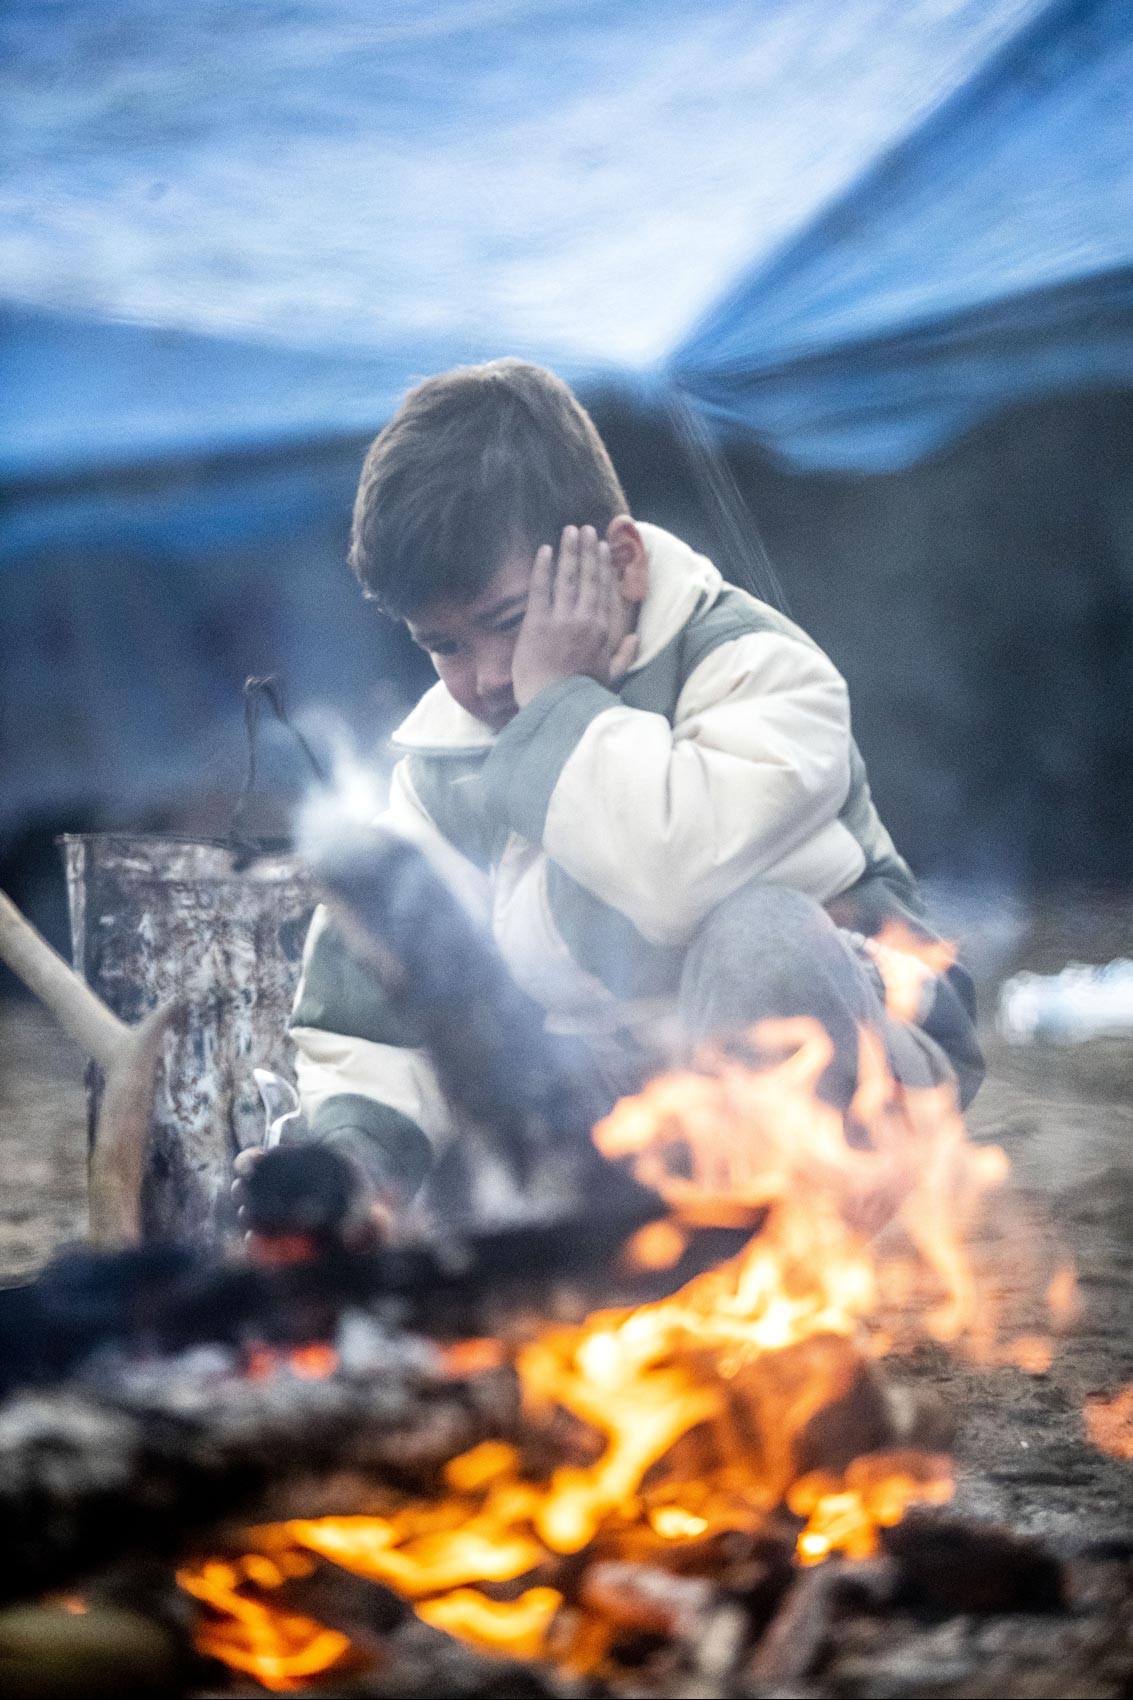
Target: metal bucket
pixel 153 918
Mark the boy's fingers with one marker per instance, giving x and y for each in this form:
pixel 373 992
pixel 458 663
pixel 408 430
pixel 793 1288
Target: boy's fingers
pixel 243 1166
pixel 539 591
pixel 610 586
pixel 590 587
pixel 616 605
pixel 566 573
pixel 624 657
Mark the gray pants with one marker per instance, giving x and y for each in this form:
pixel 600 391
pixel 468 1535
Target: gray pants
pixel 769 952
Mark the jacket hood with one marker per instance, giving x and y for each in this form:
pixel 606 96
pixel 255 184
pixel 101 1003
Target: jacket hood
pixel 680 581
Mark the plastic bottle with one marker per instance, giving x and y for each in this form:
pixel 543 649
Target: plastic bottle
pixel 1079 1003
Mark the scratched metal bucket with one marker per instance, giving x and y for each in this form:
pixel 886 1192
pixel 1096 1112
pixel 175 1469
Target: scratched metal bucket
pixel 154 917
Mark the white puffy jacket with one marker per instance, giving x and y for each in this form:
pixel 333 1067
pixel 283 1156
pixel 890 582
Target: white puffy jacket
pixel 598 829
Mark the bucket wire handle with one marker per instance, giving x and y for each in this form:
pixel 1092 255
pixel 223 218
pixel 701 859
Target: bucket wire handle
pixel 259 690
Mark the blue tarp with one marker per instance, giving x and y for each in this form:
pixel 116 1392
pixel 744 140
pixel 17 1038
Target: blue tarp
pixel 230 237
pixel 848 227
pixel 988 259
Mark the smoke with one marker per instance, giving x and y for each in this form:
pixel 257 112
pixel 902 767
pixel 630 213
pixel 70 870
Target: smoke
pixel 354 792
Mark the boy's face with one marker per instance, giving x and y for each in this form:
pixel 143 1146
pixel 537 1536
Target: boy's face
pixel 471 642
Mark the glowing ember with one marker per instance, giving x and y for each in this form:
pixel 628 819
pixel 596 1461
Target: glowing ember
pixel 1062 1297
pixel 874 1494
pixel 312 1362
pixel 702 1407
pixel 1109 1423
pixel 280 1649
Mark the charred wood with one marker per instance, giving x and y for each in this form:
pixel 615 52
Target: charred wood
pixel 166 1298
pixel 947 1566
pixel 421 1663
pixel 87 1477
pixel 793 1646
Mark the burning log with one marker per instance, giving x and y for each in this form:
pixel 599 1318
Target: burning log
pixel 128 1058
pixel 420 1662
pixel 86 1476
pixel 357 1606
pixel 691 1615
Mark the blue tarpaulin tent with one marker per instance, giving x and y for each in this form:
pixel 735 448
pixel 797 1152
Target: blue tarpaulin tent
pixel 231 237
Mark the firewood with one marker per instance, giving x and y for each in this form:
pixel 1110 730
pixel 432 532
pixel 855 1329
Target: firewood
pixel 86 1477
pixel 357 1606
pixel 647 1599
pixel 128 1058
pixel 422 1663
pixel 793 1645
pixel 692 1613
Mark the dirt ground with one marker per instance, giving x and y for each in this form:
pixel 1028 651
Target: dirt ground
pixel 1064 1114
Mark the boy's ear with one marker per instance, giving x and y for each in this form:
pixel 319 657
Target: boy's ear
pixel 628 557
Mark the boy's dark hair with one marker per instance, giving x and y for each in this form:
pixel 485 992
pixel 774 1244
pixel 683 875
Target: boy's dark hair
pixel 475 462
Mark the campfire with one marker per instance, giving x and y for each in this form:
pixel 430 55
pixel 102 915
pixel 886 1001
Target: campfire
pixel 672 1457
pixel 640 1423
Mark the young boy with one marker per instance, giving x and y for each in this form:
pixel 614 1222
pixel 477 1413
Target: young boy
pixel 642 779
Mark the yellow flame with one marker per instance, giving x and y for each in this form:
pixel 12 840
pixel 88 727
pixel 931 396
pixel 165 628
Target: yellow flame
pixel 481 1549
pixel 675 1523
pixel 517 1627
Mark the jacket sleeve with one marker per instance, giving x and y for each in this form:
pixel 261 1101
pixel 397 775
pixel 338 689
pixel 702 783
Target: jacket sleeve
pixel 365 1084
pixel 663 821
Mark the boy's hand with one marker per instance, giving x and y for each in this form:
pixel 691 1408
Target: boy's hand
pixel 363 1231
pixel 575 618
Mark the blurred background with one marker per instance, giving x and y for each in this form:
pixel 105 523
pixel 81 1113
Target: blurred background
pixel 847 284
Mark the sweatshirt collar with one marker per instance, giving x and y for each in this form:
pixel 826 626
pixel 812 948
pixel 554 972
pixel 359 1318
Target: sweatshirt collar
pixel 680 582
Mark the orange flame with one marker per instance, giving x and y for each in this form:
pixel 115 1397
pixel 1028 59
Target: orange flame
pixel 844 1516
pixel 908 964
pixel 280 1649
pixel 1109 1423
pixel 701 1407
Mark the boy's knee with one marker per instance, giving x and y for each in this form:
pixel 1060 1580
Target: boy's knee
pixel 768 952
pixel 760 912
pixel 769 936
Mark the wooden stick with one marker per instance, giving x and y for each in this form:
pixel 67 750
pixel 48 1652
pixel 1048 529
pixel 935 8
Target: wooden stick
pixel 121 1145
pixel 128 1057
pixel 82 1015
